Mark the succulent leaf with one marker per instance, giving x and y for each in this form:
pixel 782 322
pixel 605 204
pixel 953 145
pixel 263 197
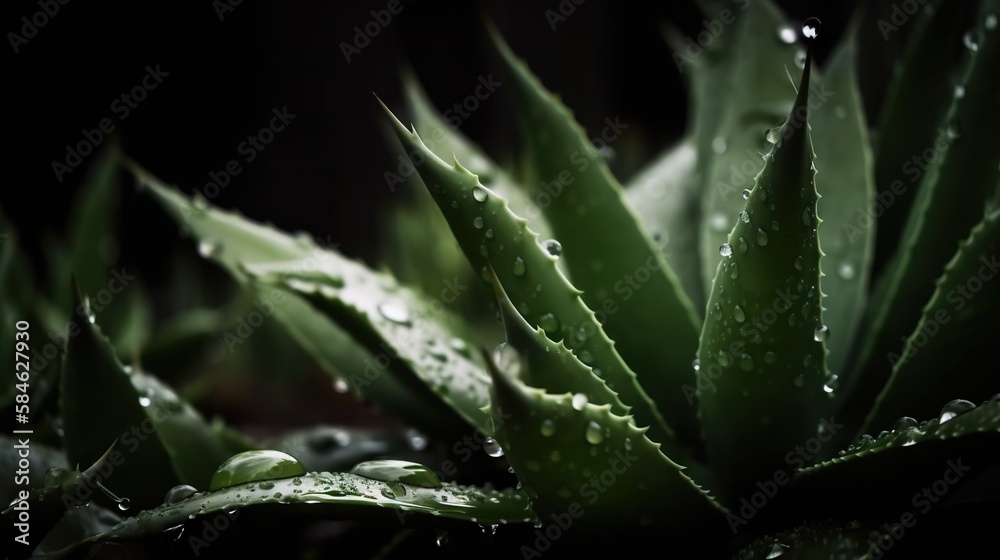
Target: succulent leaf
pixel 762 359
pixel 624 276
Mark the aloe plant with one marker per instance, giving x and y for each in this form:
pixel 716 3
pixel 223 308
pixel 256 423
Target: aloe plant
pixel 705 358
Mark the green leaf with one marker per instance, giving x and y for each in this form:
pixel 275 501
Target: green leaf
pixel 394 319
pixel 609 255
pixel 325 495
pixel 665 196
pixel 844 163
pixel 162 439
pixel 957 322
pixel 741 90
pixel 917 101
pixel 239 244
pixel 950 201
pixel 582 460
pixel 92 239
pixel 762 361
pixel 491 235
pixel 885 472
pixel 810 541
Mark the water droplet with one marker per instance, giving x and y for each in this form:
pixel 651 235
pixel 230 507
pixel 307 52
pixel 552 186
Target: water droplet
pixel 955 408
pixel 395 311
pixel 717 312
pixel 340 386
pixel 719 145
pixel 398 471
pixel 459 345
pixel 959 91
pixel 209 249
pixel 594 433
pixel 746 362
pixel 846 271
pixel 745 217
pixel 519 268
pixel 903 424
pixel 738 314
pixel 810 28
pixel 770 357
pixel 990 22
pixel 971 41
pixel 179 493
pixel 799 263
pixel 548 427
pixel 723 358
pixel 549 323
pixel 742 244
pixel 776 551
pixel 144 402
pixel 492 448
pixel 719 222
pixel 489 233
pixel 773 135
pixel 725 250
pixel 124 504
pixel 579 401
pixel 800 380
pixel 252 466
pixel 821 334
pixel 774 225
pixel 478 222
pixel 696 364
pixel 746 194
pixel 507 358
pixel 734 271
pixel 831 384
pixel 786 34
pixel 454 204
pixel 761 237
pixel 479 193
pixel 553 247
pixel 864 441
pixel 806 216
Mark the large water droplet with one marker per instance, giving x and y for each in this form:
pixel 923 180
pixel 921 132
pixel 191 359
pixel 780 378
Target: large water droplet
pixel 761 237
pixel 548 323
pixel 398 471
pixel 904 423
pixel 738 314
pixel 594 433
pixel 821 333
pixel 179 493
pixel 746 194
pixel 955 408
pixel 553 247
pixel 478 222
pixel 395 311
pixel 479 193
pixel 810 28
pixel 579 401
pixel 786 34
pixel 725 250
pixel 252 466
pixel 519 268
pixel 492 448
pixel 124 504
pixel 773 135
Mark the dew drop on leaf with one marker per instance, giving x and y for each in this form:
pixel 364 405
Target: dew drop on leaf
pixel 594 434
pixel 746 362
pixel 745 217
pixel 725 250
pixel 800 380
pixel 738 314
pixel 579 401
pixel 734 271
pixel 549 323
pixel 395 311
pixel 398 471
pixel 553 247
pixel 478 222
pixel 955 408
pixel 773 135
pixel 799 263
pixel 209 249
pixel 821 334
pixel 717 312
pixel 548 428
pixel 774 225
pixel 742 244
pixel 761 237
pixel 770 357
pixel 903 424
pixel 251 466
pixel 831 384
pixel 492 448
pixel 810 28
pixel 746 194
pixel 519 268
pixel 479 193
